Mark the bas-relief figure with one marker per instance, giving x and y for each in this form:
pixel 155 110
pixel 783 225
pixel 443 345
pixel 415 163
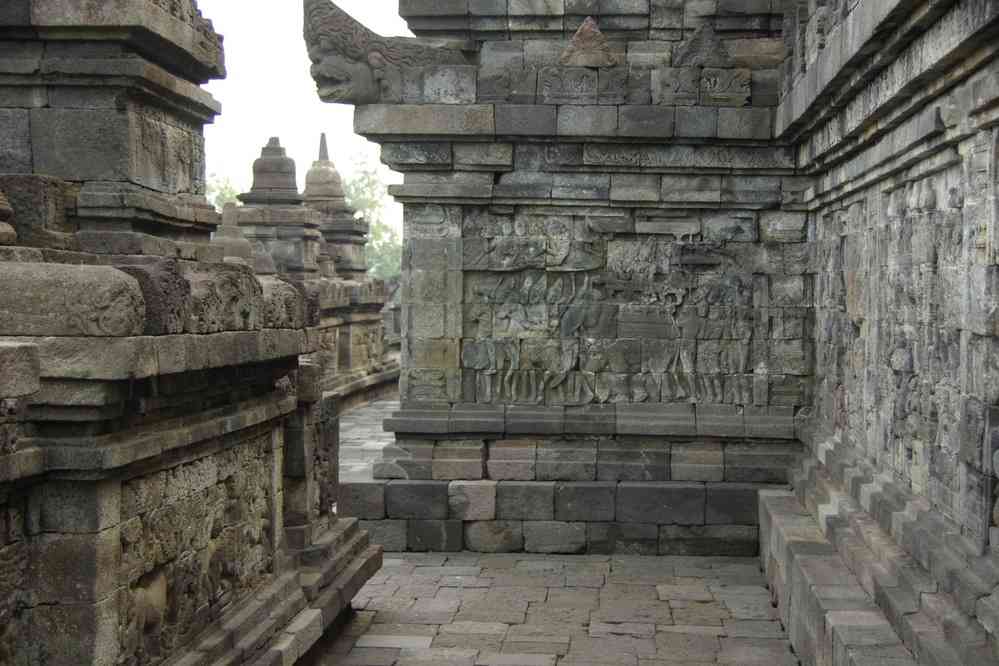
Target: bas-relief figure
pixel 353 65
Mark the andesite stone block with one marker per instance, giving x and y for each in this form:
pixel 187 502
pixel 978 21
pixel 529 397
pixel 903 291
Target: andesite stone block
pixel 669 503
pixel 494 536
pixel 554 537
pixel 591 501
pixel 440 536
pixel 416 499
pixel 365 500
pixel 472 500
pixel 525 500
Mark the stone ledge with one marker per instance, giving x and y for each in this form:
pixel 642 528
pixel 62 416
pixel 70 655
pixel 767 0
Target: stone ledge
pixel 117 359
pixel 108 452
pixel 666 419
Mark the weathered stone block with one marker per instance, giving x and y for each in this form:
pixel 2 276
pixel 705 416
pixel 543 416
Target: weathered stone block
pixel 392 535
pixel 362 500
pixel 512 460
pixel 424 119
pixel 746 123
pixel 697 461
pixel 472 500
pixel 586 502
pixel 494 536
pixel 554 537
pixel 732 503
pixel 710 540
pixel 459 459
pixel 676 86
pixel 632 459
pixel 525 500
pixel 570 460
pixel 416 499
pixel 670 503
pixel 525 120
pixel 439 536
pixel 623 538
pixel 19 370
pixel 587 121
pixel 646 121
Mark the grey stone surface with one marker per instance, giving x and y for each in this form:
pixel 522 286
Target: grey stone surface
pixel 525 500
pixel 364 500
pixel 670 503
pixel 416 499
pixel 494 536
pixel 435 535
pixel 472 500
pixel 554 537
pixel 585 502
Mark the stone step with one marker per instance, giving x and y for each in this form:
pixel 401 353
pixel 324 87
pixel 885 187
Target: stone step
pixel 906 593
pixel 326 545
pixel 829 617
pixel 314 579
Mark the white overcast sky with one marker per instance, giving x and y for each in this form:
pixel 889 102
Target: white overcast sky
pixel 269 91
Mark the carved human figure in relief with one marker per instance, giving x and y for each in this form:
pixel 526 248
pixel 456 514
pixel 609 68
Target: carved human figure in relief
pixel 352 64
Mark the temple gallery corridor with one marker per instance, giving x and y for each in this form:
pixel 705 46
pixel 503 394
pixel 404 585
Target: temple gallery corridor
pixel 524 609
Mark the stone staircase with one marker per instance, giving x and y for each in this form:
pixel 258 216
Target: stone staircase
pixel 279 624
pixel 927 596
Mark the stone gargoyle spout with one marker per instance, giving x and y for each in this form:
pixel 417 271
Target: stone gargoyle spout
pixel 353 65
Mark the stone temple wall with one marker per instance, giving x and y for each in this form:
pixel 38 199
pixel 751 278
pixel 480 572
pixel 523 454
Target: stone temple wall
pixel 605 302
pixel 168 425
pixel 652 254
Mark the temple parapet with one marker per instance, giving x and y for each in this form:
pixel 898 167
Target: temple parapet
pixel 167 460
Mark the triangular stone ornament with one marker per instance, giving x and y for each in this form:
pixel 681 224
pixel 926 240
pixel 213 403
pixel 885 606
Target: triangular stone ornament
pixel 704 49
pixel 589 48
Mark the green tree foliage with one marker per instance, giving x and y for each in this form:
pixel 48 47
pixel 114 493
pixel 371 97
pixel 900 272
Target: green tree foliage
pixel 367 193
pixel 221 191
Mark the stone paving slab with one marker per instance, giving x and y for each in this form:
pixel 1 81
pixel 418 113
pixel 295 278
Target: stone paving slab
pixel 527 610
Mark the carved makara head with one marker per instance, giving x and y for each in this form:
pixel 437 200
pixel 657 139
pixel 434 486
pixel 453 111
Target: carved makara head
pixel 350 62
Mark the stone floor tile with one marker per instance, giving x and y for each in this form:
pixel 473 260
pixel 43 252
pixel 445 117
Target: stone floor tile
pixel 753 629
pixel 633 629
pixel 641 612
pixel 613 591
pixel 390 629
pixel 510 612
pixel 514 593
pixel 438 657
pixel 393 641
pixel 367 657
pixel 687 647
pixel 422 611
pixel 574 597
pixel 584 580
pixel 544 612
pixel 684 592
pixel 447 571
pixel 772 652
pixel 463 594
pixel 699 613
pixel 465 581
pixel 500 659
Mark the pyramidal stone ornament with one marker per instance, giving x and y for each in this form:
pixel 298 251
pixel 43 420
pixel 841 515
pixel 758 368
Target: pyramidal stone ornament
pixel 589 48
pixel 704 49
pixel 344 233
pixel 274 180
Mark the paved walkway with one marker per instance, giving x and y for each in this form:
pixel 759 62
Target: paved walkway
pixel 362 439
pixel 537 610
